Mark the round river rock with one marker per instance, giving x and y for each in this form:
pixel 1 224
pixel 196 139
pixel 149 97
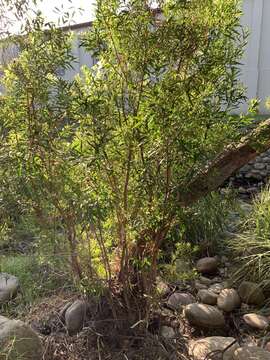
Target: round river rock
pixel 207 297
pixel 199 349
pixel 9 286
pixel 256 321
pixel 251 353
pixel 18 341
pixel 178 299
pixel 205 316
pixel 208 265
pixel 228 300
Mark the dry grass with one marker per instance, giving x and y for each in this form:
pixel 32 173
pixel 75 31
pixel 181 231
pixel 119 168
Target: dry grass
pixel 102 339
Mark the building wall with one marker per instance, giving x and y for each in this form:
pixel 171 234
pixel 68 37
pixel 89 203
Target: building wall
pixel 82 57
pixel 256 63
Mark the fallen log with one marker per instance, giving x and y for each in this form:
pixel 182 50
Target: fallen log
pixel 226 163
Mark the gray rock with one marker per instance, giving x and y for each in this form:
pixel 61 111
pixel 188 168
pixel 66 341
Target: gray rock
pixel 207 297
pixel 228 300
pixel 199 286
pixel 18 341
pixel 9 286
pixel 167 332
pixel 199 349
pixel 252 190
pixel 216 288
pixel 205 316
pixel 259 166
pixel 242 190
pixel 208 265
pixel 62 312
pixel 251 353
pixel 223 271
pixel 251 293
pixel 267 347
pixel 178 299
pixel 256 174
pixel 246 168
pixel 245 207
pixel 76 316
pixel 205 281
pixel 162 287
pixel 256 321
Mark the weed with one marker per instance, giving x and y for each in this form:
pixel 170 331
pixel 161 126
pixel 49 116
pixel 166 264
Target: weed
pixel 252 245
pixel 36 280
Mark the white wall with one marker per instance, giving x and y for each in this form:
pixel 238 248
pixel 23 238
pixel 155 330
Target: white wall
pixel 82 57
pixel 256 63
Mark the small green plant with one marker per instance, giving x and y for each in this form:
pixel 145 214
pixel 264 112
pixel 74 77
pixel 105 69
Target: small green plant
pixel 205 222
pixel 252 245
pixel 180 267
pixel 36 278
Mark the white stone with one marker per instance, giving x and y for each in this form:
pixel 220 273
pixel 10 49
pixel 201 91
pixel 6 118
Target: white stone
pixel 256 321
pixel 199 349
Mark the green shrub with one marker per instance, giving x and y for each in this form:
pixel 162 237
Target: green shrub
pixel 180 266
pixel 113 154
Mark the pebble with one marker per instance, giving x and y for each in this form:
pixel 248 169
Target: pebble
pixel 179 299
pixel 167 332
pixel 251 353
pixel 228 300
pixel 256 321
pixel 207 265
pixel 205 316
pixel 207 297
pixel 199 349
pixel 216 288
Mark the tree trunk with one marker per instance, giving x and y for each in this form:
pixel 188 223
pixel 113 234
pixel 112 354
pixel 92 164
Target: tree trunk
pixel 226 163
pixel 75 264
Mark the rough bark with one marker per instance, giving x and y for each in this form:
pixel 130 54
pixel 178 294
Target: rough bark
pixel 226 163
